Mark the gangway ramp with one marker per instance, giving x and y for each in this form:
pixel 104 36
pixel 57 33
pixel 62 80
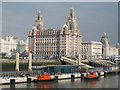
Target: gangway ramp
pixel 103 62
pixel 75 62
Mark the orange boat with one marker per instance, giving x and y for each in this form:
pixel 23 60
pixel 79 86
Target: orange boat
pixel 91 75
pixel 44 77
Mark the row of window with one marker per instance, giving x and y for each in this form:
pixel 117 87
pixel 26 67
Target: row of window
pixel 46 53
pixel 47 39
pixel 51 48
pixel 49 33
pixel 46 44
pixel 47 47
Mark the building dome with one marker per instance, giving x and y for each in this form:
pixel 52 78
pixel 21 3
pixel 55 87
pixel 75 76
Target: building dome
pixel 39 11
pixel 117 45
pixel 33 28
pixel 104 35
pixel 105 39
pixel 71 8
pixel 65 26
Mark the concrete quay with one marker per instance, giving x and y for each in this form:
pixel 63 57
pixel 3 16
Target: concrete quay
pixel 13 80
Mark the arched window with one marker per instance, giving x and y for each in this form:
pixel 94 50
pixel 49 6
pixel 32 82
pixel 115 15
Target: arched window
pixel 38 17
pixel 70 26
pixel 38 27
pixel 64 32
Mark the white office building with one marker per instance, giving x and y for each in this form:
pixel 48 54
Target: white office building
pixel 113 51
pixel 10 45
pixel 91 49
pixel 23 46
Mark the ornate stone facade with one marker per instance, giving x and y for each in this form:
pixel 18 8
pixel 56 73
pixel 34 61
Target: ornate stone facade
pixel 118 47
pixel 107 50
pixel 56 43
pixel 105 45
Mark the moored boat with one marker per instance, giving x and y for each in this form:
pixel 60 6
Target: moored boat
pixel 91 75
pixel 44 77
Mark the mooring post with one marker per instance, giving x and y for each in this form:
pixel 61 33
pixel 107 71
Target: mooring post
pixel 12 84
pixel 56 77
pixel 12 81
pixel 29 80
pixel 72 76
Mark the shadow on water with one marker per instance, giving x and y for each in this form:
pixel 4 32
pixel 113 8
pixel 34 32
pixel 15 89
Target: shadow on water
pixel 104 82
pixel 12 86
pixel 72 80
pixel 91 82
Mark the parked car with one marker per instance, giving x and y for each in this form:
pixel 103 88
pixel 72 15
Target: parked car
pixel 13 57
pixel 23 57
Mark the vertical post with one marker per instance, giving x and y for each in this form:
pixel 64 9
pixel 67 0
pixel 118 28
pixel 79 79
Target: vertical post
pixel 79 59
pixel 17 62
pixel 30 62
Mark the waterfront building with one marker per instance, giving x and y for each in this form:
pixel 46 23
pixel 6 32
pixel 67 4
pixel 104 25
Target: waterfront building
pixel 22 46
pixel 56 68
pixel 99 49
pixel 107 50
pixel 113 51
pixel 91 49
pixel 55 43
pixel 10 45
pixel 118 46
pixel 105 45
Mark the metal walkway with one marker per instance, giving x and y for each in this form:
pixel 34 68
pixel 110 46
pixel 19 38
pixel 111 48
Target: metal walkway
pixel 103 62
pixel 75 62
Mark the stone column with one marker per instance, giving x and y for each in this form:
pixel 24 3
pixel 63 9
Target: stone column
pixel 17 62
pixel 30 62
pixel 79 59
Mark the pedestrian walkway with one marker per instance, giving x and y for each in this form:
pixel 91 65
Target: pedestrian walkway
pixel 74 62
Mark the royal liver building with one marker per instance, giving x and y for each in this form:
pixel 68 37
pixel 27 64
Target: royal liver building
pixel 55 43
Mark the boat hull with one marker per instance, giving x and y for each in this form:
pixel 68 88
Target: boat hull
pixel 91 77
pixel 45 80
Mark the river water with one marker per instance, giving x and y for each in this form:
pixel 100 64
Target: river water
pixel 110 81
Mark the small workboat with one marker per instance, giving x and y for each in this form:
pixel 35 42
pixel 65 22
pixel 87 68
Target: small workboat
pixel 91 75
pixel 44 77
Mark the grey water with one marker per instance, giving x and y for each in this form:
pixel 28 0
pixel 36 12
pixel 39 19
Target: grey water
pixel 110 81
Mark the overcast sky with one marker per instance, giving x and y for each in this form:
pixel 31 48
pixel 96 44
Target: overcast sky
pixel 93 18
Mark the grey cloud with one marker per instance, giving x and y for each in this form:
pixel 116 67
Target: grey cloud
pixel 93 18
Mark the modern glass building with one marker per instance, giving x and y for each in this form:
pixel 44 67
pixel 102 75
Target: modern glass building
pixel 55 68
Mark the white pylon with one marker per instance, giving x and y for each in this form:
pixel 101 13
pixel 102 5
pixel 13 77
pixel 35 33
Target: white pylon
pixel 30 63
pixel 79 59
pixel 17 62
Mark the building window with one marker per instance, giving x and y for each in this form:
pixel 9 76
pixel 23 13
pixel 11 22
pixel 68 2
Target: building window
pixel 38 27
pixel 38 17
